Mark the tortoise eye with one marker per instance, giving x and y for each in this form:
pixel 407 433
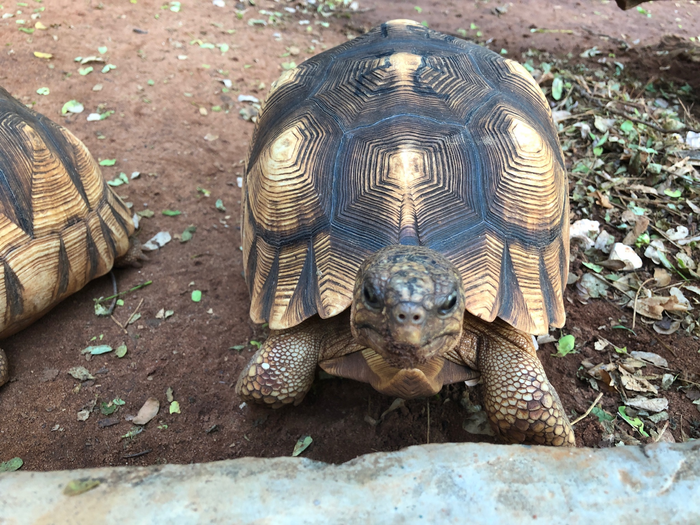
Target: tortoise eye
pixel 370 296
pixel 448 304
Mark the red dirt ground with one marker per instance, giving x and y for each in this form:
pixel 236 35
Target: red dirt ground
pixel 159 129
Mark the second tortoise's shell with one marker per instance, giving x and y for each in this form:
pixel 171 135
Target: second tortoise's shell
pixel 406 136
pixel 60 224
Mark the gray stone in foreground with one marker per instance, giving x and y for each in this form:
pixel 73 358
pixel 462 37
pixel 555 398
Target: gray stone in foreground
pixel 452 483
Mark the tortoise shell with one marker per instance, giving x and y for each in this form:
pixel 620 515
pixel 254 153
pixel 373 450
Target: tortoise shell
pixel 406 136
pixel 60 223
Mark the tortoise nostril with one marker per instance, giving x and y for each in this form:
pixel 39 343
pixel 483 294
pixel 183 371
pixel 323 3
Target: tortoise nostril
pixel 409 314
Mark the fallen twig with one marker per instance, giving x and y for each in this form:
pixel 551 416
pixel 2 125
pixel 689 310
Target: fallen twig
pixel 587 411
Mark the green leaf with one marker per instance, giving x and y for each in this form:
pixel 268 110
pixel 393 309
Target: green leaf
pixel 196 295
pixel 121 350
pixel 43 91
pixel 96 350
pixel 102 50
pixel 86 70
pixel 635 423
pixel 597 151
pixel 171 213
pixel 72 106
pixel 301 445
pixel 107 409
pixel 108 162
pixel 602 140
pixel 622 350
pixel 418 9
pixel 642 240
pixel 77 486
pixel 664 260
pixel 595 267
pixel 289 65
pixel 627 126
pixel 622 327
pixel 147 214
pixel 101 310
pixel 673 193
pixel 565 345
pixel 119 180
pixel 175 408
pixel 108 68
pixel 11 465
pixel 601 414
pixel 220 205
pixel 187 234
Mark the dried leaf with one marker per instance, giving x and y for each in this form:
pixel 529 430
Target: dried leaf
pixel 650 357
pixel 148 411
pixel 662 277
pixel 650 405
pixel 80 373
pixel 653 307
pixel 637 384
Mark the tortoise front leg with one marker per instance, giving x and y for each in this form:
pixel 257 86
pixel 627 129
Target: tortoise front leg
pixel 521 403
pixel 4 369
pixel 282 370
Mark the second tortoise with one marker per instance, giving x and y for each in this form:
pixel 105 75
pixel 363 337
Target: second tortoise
pixel 60 223
pixel 405 223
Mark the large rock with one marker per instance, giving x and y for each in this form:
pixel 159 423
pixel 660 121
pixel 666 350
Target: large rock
pixel 453 483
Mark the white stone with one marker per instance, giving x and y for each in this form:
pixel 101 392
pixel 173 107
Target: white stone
pixel 436 484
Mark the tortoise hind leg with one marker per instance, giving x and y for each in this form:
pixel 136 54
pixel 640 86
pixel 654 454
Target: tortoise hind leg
pixel 521 403
pixel 4 369
pixel 282 370
pixel 133 257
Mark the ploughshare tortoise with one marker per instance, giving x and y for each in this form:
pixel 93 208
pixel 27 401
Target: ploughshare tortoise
pixel 60 223
pixel 405 223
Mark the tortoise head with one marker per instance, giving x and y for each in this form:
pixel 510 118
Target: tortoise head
pixel 408 305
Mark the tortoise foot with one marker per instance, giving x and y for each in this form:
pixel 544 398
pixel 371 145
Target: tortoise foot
pixel 282 371
pixel 133 257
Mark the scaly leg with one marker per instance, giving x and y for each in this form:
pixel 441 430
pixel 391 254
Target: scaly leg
pixel 133 257
pixel 282 370
pixel 521 403
pixel 4 369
